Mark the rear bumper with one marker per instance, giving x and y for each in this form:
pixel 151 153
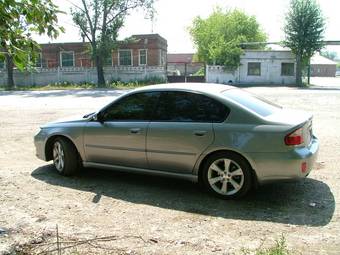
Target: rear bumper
pixel 286 165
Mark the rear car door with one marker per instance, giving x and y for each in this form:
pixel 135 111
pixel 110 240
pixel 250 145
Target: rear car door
pixel 181 129
pixel 119 138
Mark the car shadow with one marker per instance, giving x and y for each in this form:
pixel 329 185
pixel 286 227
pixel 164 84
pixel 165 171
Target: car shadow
pixel 287 203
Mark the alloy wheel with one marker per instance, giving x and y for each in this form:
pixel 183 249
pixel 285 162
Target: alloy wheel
pixel 225 176
pixel 58 156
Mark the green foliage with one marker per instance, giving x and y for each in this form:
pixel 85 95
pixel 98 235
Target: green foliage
pixel 99 21
pixel 86 85
pixel 338 65
pixel 200 72
pixel 280 248
pixel 19 20
pixel 304 30
pixel 218 37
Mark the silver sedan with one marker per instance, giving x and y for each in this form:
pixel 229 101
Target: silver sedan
pixel 223 137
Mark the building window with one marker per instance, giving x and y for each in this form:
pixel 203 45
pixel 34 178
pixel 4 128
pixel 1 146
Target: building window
pixel 67 58
pixel 162 57
pixel 287 69
pixel 143 57
pixel 254 69
pixel 2 64
pixel 108 60
pixel 125 57
pixel 38 61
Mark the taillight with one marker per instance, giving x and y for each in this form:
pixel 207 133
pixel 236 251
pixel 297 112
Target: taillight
pixel 294 138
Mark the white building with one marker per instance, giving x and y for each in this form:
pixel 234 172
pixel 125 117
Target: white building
pixel 257 67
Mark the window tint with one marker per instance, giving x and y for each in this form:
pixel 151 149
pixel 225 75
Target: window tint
pixel 252 102
pixel 189 107
pixel 136 107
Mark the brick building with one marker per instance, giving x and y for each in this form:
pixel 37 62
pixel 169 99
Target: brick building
pixel 138 58
pixel 139 50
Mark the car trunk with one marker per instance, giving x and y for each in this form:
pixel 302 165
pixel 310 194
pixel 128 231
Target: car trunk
pixel 294 120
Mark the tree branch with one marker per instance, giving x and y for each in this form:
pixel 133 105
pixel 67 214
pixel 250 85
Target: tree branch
pixel 93 32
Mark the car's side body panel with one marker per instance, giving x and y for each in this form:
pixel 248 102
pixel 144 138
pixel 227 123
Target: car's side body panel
pixel 176 146
pixel 118 143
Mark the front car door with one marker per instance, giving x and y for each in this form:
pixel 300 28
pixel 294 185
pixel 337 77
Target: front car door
pixel 119 137
pixel 181 129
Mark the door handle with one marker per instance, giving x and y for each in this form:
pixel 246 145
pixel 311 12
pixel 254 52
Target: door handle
pixel 135 130
pixel 200 132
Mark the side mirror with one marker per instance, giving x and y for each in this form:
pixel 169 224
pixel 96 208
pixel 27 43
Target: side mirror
pixel 98 117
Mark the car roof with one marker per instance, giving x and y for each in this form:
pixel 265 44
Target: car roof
pixel 208 88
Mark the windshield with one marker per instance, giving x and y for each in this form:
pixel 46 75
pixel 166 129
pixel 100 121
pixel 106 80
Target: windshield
pixel 251 102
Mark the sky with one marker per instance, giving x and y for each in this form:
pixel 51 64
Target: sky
pixel 175 16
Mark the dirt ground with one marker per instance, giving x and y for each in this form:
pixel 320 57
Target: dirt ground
pixel 150 215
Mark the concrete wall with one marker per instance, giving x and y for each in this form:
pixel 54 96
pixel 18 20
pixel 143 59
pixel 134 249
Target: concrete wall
pixel 270 69
pixel 81 74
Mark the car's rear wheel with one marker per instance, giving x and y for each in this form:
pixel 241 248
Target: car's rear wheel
pixel 65 157
pixel 227 175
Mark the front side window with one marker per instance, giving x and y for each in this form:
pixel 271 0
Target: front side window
pixel 125 58
pixel 136 107
pixel 254 69
pixel 67 58
pixel 142 57
pixel 287 69
pixel 189 107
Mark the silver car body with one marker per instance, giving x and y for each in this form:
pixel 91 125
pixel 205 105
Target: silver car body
pixel 178 149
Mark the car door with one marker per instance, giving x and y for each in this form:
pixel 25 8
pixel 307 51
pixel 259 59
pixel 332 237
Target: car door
pixel 118 138
pixel 181 129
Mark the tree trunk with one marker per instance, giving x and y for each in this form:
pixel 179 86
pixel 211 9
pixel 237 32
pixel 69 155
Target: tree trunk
pixel 10 67
pixel 298 71
pixel 100 72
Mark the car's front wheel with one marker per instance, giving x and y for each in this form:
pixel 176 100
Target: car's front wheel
pixel 65 157
pixel 227 175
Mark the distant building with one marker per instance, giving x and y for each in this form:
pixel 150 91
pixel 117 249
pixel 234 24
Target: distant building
pixel 140 57
pixel 141 50
pixel 322 66
pixel 181 63
pixel 257 67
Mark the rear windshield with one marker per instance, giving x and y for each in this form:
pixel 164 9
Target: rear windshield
pixel 251 102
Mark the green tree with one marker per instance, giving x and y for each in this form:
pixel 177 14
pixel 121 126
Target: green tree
pixel 218 37
pixel 304 29
pixel 100 21
pixel 19 20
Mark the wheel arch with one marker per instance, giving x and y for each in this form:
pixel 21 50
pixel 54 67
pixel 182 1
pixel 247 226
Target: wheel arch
pixel 200 164
pixel 49 145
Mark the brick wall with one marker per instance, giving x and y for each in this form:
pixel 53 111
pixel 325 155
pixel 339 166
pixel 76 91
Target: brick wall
pixel 155 45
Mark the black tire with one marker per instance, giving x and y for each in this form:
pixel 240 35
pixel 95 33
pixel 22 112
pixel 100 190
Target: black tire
pixel 71 162
pixel 232 178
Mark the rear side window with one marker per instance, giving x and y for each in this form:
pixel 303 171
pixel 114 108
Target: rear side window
pixel 189 107
pixel 252 102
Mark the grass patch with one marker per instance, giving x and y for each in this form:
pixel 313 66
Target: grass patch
pixel 280 248
pixel 74 86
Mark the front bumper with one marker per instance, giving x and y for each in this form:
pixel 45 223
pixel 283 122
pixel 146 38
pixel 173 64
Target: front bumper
pixel 39 143
pixel 285 165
